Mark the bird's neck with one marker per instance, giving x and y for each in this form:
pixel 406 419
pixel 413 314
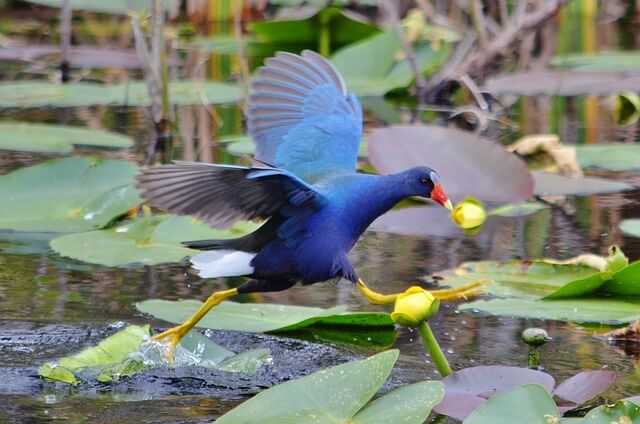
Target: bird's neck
pixel 374 199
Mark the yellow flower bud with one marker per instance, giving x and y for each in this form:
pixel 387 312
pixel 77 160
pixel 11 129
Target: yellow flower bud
pixel 414 306
pixel 469 213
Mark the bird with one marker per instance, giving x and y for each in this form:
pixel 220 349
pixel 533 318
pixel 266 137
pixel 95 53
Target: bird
pixel 303 184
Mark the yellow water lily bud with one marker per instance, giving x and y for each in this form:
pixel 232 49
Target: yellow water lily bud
pixel 469 213
pixel 414 306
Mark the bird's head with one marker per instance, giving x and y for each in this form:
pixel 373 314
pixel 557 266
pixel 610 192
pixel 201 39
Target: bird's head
pixel 425 182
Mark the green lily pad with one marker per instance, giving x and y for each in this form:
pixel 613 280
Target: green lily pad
pixel 530 403
pixel 255 318
pixel 147 241
pixel 111 6
pixel 122 355
pixel 47 138
pixel 339 394
pixel 72 194
pixel 603 61
pixel 370 337
pixel 370 67
pixel 623 412
pixel 110 351
pixel 590 310
pixel 242 145
pixel 38 94
pixel 610 157
pixel 631 227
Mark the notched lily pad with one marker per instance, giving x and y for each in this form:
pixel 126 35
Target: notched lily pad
pixel 72 194
pixel 253 317
pixel 339 395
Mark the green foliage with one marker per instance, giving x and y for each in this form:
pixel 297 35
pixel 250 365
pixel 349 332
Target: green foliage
pixel 631 227
pixel 338 395
pixel 111 6
pixel 603 61
pixel 73 194
pixel 148 240
pixel 530 403
pixel 610 157
pixel 37 94
pixel 257 318
pixel 48 138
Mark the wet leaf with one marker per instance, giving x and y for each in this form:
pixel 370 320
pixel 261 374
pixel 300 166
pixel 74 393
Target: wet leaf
pixel 252 317
pixel 622 412
pixel 562 83
pixel 602 61
pixel 336 395
pixel 584 386
pixel 548 184
pixel 147 241
pixel 610 157
pixel 371 67
pixel 110 351
pixel 72 194
pixel 38 94
pixel 467 389
pixel 111 6
pixel 596 310
pixel 47 138
pixel 530 403
pixel 457 156
pixel 367 336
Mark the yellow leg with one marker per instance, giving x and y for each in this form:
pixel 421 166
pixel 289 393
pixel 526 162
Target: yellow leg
pixel 176 333
pixel 463 292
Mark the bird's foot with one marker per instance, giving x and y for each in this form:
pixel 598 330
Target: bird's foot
pixel 173 336
pixel 464 292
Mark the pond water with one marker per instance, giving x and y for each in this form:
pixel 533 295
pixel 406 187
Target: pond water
pixel 52 306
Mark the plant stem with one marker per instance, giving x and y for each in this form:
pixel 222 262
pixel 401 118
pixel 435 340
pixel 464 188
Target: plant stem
pixel 533 359
pixel 432 346
pixel 65 41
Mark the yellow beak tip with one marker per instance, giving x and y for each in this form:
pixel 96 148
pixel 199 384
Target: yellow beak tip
pixel 448 205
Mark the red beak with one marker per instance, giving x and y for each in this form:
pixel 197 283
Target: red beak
pixel 438 195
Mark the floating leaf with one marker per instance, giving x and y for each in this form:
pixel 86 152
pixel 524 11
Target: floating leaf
pixel 47 138
pixel 518 209
pixel 371 68
pixel 622 412
pixel 72 194
pixel 602 61
pixel 146 241
pixel 38 94
pixel 367 336
pixel 338 395
pixel 548 184
pixel 562 83
pixel 530 403
pixel 252 317
pixel 111 6
pixel 610 157
pixel 110 351
pixel 631 227
pixel 597 310
pixel 458 156
pixel 584 386
pixel 242 145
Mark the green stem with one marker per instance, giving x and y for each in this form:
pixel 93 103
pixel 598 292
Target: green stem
pixel 533 359
pixel 432 346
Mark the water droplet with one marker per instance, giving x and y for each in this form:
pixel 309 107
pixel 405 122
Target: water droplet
pixel 450 351
pixel 50 399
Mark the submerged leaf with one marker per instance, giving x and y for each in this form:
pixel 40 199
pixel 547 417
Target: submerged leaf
pixel 457 156
pixel 72 194
pixel 252 317
pixel 47 138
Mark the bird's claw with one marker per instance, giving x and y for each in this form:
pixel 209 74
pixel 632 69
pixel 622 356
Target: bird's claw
pixel 463 292
pixel 173 336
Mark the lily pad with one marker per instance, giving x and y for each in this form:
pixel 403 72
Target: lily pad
pixel 631 227
pixel 125 354
pixel 339 395
pixel 147 241
pixel 548 184
pixel 590 310
pixel 518 209
pixel 458 157
pixel 72 194
pixel 371 68
pixel 610 157
pixel 38 94
pixel 254 318
pixel 47 138
pixel 530 403
pixel 111 6
pixel 623 412
pixel 602 61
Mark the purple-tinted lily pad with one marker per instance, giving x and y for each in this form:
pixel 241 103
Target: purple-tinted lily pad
pixel 467 389
pixel 563 83
pixel 584 386
pixel 548 184
pixel 468 165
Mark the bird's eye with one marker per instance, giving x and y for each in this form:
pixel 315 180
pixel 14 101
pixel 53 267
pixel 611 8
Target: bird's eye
pixel 424 181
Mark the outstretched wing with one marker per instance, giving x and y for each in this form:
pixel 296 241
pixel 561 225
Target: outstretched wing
pixel 221 194
pixel 301 117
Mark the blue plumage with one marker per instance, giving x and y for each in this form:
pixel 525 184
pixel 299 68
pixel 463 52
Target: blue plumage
pixel 307 130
